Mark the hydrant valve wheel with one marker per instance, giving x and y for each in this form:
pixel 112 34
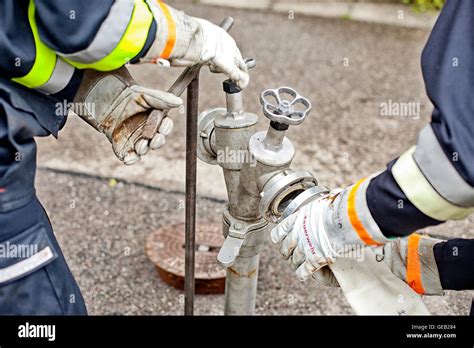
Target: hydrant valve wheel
pixel 279 109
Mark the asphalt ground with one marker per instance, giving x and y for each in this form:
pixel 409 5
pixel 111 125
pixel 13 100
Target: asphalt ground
pixel 102 226
pixel 347 69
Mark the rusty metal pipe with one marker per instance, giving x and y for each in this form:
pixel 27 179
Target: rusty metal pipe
pixel 190 224
pixel 241 286
pixel 189 79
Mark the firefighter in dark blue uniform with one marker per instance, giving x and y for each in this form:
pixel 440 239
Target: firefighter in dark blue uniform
pixel 65 52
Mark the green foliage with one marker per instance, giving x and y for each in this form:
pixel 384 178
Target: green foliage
pixel 425 5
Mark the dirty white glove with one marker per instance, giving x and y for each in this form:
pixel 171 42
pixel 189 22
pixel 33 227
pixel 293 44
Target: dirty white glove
pixel 325 228
pixel 411 259
pixel 183 40
pixel 306 239
pixel 115 105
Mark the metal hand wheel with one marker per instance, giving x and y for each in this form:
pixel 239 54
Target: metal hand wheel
pixel 277 107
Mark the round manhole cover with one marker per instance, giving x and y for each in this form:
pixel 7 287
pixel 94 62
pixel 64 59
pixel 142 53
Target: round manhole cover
pixel 165 248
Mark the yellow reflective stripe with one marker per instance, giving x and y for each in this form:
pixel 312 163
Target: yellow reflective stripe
pixel 130 44
pixel 420 192
pixel 45 59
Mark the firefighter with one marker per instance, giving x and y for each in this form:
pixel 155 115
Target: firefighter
pixel 64 52
pixel 429 184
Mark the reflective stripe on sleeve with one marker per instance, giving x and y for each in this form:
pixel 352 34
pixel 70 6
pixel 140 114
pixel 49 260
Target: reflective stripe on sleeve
pixel 421 194
pixel 439 170
pixel 108 36
pixel 45 58
pixel 59 79
pixel 130 44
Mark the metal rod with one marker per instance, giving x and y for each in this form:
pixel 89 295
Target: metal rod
pixel 190 79
pixel 190 224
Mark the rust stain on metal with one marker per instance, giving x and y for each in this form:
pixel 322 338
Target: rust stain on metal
pixel 250 274
pixel 165 248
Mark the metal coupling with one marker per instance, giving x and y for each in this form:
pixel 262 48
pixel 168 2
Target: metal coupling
pixel 287 192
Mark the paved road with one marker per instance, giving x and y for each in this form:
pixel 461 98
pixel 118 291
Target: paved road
pixel 102 230
pixel 345 138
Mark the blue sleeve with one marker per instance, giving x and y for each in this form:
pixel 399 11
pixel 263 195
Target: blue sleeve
pixel 17 45
pixel 448 71
pixel 69 26
pixel 455 259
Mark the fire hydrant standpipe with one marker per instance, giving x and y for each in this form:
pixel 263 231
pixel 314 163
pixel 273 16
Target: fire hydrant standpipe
pixel 266 190
pixel 263 189
pixel 231 130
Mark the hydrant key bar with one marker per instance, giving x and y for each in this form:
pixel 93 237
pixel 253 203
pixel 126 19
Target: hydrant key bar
pixel 190 224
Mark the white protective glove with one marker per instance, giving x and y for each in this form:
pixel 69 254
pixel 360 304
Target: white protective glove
pixel 184 40
pixel 325 229
pixel 304 239
pixel 411 259
pixel 115 105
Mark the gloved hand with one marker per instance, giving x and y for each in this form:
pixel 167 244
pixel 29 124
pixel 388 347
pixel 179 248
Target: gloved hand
pixel 325 228
pixel 184 40
pixel 305 238
pixel 115 105
pixel 411 259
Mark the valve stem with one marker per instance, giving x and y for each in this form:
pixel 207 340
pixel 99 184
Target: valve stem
pixel 275 135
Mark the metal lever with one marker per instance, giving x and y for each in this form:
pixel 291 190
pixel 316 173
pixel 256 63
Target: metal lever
pixel 229 251
pixel 239 233
pixel 250 62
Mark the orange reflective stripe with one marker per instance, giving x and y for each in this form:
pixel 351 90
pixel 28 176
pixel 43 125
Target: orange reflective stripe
pixel 354 219
pixel 171 31
pixel 414 265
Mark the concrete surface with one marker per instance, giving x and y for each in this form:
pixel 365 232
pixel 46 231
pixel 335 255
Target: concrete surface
pixel 346 68
pixel 102 230
pixel 393 13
